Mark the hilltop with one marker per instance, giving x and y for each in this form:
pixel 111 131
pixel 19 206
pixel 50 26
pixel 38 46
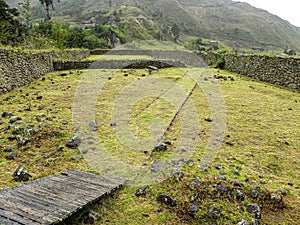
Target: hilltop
pixel 236 24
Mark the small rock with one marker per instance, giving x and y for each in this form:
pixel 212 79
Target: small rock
pixel 11 156
pixel 243 222
pixel 29 132
pixel 84 151
pixel 74 142
pixel 275 198
pixel 250 155
pixel 195 183
pixel 255 222
pixel 167 200
pixel 21 175
pixel 160 147
pixel 22 140
pixel 193 208
pixel 77 157
pixel 152 67
pixel 93 125
pixel 6 114
pixel 215 213
pixel 238 194
pixel 236 172
pixel 223 190
pixel 141 191
pixel 254 209
pixel 236 183
pixel 254 194
pixel 176 173
pixel 39 97
pixel 92 217
pixel 281 191
pixel 219 167
pixel 10 148
pixel 222 178
pixel 14 119
pixel 208 119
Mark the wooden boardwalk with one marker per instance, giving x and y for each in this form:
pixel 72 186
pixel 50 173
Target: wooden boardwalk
pixel 52 199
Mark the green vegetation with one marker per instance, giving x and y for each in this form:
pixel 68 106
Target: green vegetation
pixel 261 143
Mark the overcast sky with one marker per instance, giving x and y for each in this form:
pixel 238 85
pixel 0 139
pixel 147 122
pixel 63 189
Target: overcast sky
pixel 286 9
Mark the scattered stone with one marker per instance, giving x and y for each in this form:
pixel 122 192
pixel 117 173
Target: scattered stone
pixel 282 191
pixel 93 125
pixel 10 148
pixel 64 122
pixel 238 194
pixel 166 199
pixel 229 143
pixel 243 222
pixel 160 147
pixel 14 119
pixel 41 107
pixel 77 157
pixel 21 175
pixel 255 222
pixel 275 198
pixel 219 167
pixel 12 138
pixel 84 151
pixel 208 119
pixel 74 142
pixel 152 67
pixel 215 213
pixel 236 172
pixel 193 208
pixel 29 132
pixel 248 180
pixel 60 149
pixel 254 209
pixel 223 173
pixel 236 183
pixel 63 74
pixel 39 97
pixel 113 124
pixel 141 191
pixel 254 194
pixel 92 217
pixel 222 178
pixel 157 166
pixel 11 156
pixel 22 140
pixel 223 190
pixel 195 183
pixel 6 114
pixel 176 173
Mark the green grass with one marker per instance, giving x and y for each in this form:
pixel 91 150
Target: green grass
pixel 262 119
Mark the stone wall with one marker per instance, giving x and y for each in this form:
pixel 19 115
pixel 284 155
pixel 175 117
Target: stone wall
pixel 18 68
pixel 116 64
pixel 278 70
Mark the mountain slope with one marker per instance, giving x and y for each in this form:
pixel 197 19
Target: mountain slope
pixel 235 23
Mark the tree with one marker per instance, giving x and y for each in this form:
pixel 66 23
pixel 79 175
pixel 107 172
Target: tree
pixel 48 4
pixel 25 12
pixel 175 31
pixel 11 30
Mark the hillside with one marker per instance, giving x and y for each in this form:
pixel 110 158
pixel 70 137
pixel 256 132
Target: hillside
pixel 234 23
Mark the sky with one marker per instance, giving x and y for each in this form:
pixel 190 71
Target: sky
pixel 286 9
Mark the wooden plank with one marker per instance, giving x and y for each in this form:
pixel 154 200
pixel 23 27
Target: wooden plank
pixel 16 218
pixel 52 199
pixel 18 203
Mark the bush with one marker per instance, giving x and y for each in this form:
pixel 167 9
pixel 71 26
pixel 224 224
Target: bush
pixel 221 63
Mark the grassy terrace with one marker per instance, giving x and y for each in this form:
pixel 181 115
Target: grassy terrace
pixel 261 142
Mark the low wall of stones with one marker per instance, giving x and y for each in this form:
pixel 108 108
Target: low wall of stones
pixel 117 64
pixel 277 70
pixel 19 68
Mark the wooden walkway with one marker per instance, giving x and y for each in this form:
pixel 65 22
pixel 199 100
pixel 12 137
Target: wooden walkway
pixel 52 199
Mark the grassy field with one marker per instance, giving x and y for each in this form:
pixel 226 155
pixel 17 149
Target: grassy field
pixel 261 143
